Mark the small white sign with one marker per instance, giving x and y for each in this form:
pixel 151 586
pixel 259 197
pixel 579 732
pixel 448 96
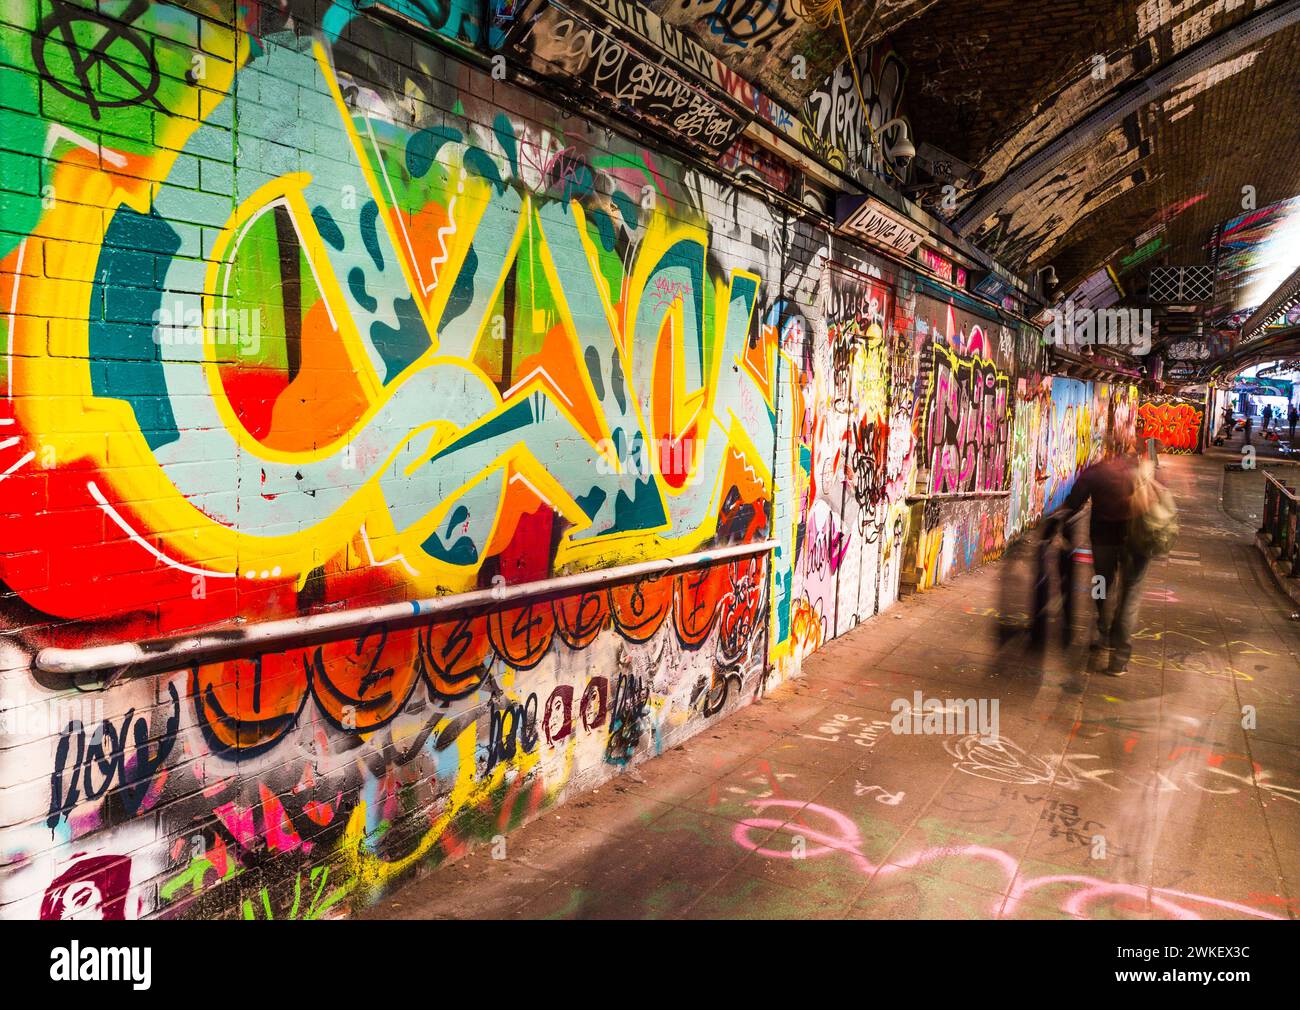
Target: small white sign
pixel 875 225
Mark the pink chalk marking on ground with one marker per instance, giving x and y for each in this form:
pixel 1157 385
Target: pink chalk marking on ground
pixel 848 842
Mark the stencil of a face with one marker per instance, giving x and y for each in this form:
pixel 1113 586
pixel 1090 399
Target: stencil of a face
pixel 92 888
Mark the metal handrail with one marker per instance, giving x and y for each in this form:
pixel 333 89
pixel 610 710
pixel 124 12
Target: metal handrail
pixel 1281 486
pixel 1278 533
pixel 237 639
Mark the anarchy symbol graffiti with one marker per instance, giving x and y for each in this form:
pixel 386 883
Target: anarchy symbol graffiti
pixel 97 60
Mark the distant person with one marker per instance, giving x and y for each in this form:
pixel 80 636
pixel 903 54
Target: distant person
pixel 1250 423
pixel 1118 556
pixel 1292 416
pixel 1268 415
pixel 1228 418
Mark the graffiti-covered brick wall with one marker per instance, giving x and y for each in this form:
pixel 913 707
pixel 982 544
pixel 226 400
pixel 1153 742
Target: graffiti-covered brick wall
pixel 967 369
pixel 1062 426
pixel 1030 452
pixel 1175 422
pixel 1002 443
pixel 310 316
pixel 304 314
pixel 855 390
pixel 798 625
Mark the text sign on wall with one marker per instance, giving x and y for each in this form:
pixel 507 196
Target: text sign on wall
pixel 877 224
pixel 556 42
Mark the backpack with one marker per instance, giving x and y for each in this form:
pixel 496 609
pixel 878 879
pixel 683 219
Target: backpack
pixel 1154 525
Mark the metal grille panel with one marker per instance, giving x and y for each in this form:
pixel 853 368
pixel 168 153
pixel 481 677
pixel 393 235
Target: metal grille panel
pixel 1181 285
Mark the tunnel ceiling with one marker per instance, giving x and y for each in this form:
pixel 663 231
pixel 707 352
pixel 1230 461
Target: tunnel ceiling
pixel 762 38
pixel 994 81
pixel 1160 184
pixel 1157 186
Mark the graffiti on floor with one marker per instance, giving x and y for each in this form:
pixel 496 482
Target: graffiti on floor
pixel 833 833
pixel 1183 768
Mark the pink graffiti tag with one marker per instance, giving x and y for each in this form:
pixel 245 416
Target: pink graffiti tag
pixel 666 292
pixel 844 838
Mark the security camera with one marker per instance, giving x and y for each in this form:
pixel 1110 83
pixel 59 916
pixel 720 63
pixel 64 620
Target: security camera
pixel 903 151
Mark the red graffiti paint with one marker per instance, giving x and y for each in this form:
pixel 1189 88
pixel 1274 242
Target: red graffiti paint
pixel 454 655
pixel 698 595
pixel 1176 424
pixel 639 607
pixel 362 684
pixel 96 883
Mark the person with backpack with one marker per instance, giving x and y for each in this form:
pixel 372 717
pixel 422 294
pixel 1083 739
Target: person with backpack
pixel 1132 520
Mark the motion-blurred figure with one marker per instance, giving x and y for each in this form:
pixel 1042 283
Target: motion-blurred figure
pixel 1117 557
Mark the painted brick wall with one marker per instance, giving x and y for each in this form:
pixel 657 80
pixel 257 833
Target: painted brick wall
pixel 306 317
pixel 302 314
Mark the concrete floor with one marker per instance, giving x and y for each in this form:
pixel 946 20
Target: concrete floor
pixel 1265 448
pixel 1134 797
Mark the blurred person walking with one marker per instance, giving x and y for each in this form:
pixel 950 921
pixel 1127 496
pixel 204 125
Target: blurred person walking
pixel 1132 520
